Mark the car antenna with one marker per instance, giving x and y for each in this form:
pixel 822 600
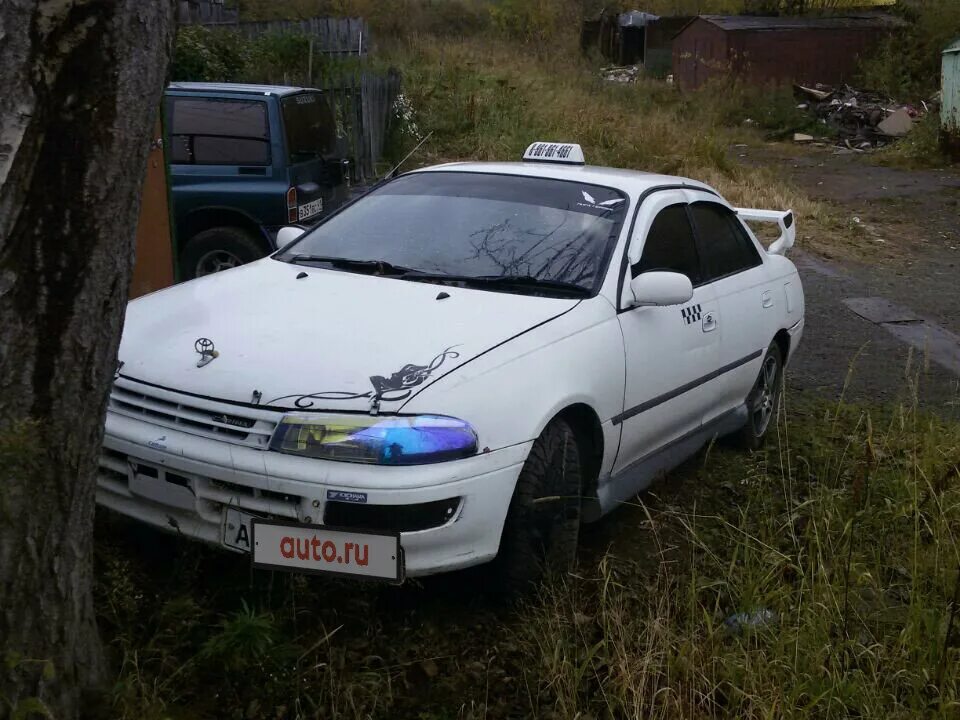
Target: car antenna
pixel 407 157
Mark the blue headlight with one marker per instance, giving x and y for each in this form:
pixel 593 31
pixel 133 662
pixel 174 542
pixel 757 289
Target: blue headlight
pixel 415 440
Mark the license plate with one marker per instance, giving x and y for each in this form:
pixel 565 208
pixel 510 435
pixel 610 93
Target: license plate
pixel 237 529
pixel 297 547
pixel 310 209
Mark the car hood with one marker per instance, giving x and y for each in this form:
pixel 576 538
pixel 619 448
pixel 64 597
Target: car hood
pixel 291 336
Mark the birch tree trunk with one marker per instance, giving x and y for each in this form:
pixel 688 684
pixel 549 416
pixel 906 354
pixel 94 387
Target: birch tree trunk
pixel 80 84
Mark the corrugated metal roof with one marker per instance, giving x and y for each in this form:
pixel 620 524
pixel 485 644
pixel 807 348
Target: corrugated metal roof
pixel 953 47
pixel 761 22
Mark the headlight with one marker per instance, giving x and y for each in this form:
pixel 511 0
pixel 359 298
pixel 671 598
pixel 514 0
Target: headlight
pixel 414 440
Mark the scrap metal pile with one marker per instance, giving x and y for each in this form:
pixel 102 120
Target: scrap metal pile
pixel 859 120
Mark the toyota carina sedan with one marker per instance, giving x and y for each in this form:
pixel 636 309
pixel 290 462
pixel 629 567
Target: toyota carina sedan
pixel 460 367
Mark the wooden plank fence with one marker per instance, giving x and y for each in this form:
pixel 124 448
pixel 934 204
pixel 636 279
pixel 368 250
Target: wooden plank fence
pixel 332 35
pixel 206 12
pixel 362 98
pixel 363 106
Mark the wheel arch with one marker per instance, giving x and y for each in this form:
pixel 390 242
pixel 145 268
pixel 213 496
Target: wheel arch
pixel 212 217
pixel 782 339
pixel 587 429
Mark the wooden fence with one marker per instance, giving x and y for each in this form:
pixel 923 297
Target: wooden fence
pixel 363 106
pixel 332 35
pixel 362 98
pixel 206 12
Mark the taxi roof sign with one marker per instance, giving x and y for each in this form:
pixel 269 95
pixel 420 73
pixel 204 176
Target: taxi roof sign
pixel 568 153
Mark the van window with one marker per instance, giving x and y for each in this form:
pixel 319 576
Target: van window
pixel 213 131
pixel 309 126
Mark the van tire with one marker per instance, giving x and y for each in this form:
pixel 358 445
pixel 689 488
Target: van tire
pixel 216 249
pixel 542 528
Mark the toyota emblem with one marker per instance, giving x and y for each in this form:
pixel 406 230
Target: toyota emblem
pixel 207 351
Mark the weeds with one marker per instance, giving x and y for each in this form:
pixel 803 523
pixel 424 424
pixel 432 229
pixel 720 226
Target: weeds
pixel 841 540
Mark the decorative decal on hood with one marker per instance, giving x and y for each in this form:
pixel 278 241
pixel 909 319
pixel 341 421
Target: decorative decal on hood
pixel 399 386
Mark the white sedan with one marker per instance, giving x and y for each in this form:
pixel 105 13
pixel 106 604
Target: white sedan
pixel 462 366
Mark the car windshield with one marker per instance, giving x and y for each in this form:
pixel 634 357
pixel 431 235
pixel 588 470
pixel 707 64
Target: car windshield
pixel 477 226
pixel 309 126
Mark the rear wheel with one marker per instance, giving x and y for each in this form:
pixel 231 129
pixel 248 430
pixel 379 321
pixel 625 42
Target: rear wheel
pixel 763 401
pixel 543 523
pixel 217 249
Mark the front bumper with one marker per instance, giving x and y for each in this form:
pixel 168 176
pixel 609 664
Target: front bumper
pixel 183 483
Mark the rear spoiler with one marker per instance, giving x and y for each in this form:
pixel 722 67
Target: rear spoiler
pixel 783 218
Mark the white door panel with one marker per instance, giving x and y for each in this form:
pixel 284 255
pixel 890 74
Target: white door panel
pixel 736 266
pixel 745 333
pixel 670 350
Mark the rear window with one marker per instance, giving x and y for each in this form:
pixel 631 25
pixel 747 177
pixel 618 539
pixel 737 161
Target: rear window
pixel 212 131
pixel 308 125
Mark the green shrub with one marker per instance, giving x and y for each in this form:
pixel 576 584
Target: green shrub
pixel 907 64
pixel 201 54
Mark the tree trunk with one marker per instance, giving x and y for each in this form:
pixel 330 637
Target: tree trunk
pixel 80 85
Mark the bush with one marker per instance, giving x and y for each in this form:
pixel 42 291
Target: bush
pixel 907 64
pixel 201 54
pixel 208 55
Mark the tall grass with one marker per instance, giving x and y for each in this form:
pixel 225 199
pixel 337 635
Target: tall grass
pixel 842 541
pixel 838 544
pixel 487 100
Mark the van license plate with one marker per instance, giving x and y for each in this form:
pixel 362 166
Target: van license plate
pixel 297 547
pixel 314 207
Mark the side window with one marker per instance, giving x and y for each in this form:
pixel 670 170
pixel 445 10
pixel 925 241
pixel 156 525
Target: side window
pixel 725 247
pixel 218 132
pixel 670 245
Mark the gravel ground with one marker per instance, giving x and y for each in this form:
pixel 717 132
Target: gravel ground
pixel 912 219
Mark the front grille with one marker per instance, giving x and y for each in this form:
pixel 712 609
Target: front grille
pixel 238 425
pixel 207 496
pixel 391 518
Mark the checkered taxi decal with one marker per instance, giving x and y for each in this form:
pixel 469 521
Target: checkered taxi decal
pixel 691 313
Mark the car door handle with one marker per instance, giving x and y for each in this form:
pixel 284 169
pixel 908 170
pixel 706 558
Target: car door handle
pixel 709 322
pixel 767 299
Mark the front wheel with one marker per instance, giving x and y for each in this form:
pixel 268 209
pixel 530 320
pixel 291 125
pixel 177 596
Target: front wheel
pixel 218 249
pixel 543 523
pixel 763 401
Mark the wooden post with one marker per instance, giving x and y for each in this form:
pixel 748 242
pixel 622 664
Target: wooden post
pixel 310 64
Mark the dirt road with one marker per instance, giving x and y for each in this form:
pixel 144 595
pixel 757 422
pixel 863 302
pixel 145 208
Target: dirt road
pixel 908 253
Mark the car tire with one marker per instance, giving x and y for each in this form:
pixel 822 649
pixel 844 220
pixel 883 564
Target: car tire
pixel 542 528
pixel 762 402
pixel 216 249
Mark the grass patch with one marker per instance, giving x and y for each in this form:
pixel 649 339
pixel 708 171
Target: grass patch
pixel 841 538
pixel 920 149
pixel 487 100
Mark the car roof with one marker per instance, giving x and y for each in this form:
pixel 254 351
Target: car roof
pixel 633 182
pixel 244 88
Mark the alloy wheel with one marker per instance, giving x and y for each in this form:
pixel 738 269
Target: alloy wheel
pixel 765 396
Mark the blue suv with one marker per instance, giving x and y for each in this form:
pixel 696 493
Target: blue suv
pixel 245 160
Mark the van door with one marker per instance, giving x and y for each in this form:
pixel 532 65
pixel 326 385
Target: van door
pixel 309 131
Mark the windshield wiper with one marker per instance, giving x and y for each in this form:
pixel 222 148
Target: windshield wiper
pixel 370 267
pixel 520 281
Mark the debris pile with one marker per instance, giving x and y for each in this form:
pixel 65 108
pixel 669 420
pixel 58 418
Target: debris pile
pixel 861 121
pixel 621 74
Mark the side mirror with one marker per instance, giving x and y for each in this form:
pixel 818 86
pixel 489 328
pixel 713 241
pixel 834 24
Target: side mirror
pixel 288 234
pixel 661 288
